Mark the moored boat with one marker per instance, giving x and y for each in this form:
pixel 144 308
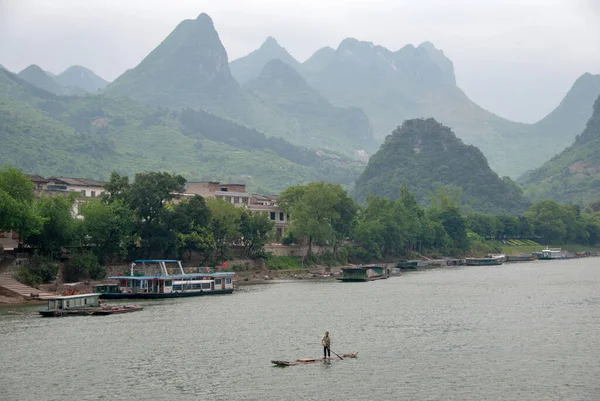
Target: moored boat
pixel 364 273
pixel 167 282
pixel 519 258
pixel 550 254
pixel 83 305
pixel 491 261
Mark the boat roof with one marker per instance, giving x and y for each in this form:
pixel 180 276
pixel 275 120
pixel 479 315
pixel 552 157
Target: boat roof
pixel 76 296
pixel 174 276
pixel 157 260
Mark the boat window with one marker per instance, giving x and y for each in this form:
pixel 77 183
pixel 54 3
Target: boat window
pixel 206 286
pixel 68 303
pixel 168 283
pixel 217 281
pixel 227 281
pixel 85 301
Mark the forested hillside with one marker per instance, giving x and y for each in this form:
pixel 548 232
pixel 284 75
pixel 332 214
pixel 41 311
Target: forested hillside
pixel 573 175
pixel 90 136
pixel 190 69
pixel 426 156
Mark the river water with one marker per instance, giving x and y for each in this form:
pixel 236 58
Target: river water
pixel 515 332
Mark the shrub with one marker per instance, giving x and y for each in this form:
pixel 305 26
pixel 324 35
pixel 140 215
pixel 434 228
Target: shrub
pixel 282 262
pixel 37 270
pixel 83 266
pixel 289 239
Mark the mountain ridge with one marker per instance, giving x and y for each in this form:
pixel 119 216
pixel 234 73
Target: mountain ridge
pixel 82 77
pixel 573 175
pixel 189 69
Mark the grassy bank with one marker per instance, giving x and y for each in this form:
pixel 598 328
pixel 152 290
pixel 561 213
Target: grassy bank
pixel 528 249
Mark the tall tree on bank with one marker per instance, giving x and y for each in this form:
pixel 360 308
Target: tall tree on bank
pixel 225 224
pixel 321 213
pixel 16 203
pixel 59 228
pixel 147 196
pixel 109 227
pixel 254 229
pixel 191 221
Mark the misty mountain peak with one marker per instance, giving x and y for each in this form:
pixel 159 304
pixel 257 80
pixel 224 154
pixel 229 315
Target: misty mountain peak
pixel 277 70
pixel 190 67
pixel 320 59
pixel 249 67
pixel 33 68
pixel 270 43
pixel 205 19
pixel 79 76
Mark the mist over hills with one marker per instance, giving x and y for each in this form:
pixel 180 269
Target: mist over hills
pixel 572 176
pixel 90 136
pixel 414 82
pixel 249 67
pixel 81 77
pixel 340 103
pixel 281 87
pixel 190 69
pixel 74 81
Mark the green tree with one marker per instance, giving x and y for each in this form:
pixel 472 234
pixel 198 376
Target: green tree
pixel 108 227
pixel 481 224
pixel 116 188
pixel 16 203
pixel 59 228
pixel 546 216
pixel 254 229
pixel 191 220
pixel 148 196
pixel 225 224
pixel 197 239
pixel 318 211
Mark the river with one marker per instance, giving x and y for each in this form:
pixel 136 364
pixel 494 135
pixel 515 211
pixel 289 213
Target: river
pixel 515 332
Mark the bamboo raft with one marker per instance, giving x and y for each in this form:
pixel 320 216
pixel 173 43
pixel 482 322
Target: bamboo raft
pixel 305 361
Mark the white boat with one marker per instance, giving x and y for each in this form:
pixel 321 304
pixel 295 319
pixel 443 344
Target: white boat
pixel 168 282
pixel 550 254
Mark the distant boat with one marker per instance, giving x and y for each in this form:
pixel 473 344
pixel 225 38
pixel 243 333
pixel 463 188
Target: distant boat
pixel 364 273
pixel 519 258
pixel 83 305
pixel 490 261
pixel 412 264
pixel 550 254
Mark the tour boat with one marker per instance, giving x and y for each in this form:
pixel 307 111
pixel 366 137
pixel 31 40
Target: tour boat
pixel 550 254
pixel 167 282
pixel 83 305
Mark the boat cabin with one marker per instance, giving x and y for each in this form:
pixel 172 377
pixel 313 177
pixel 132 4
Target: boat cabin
pixel 551 253
pixel 106 288
pixel 74 302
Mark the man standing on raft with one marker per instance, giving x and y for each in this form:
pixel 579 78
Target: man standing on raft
pixel 326 341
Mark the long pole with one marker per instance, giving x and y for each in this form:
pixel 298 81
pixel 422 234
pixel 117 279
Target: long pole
pixel 336 354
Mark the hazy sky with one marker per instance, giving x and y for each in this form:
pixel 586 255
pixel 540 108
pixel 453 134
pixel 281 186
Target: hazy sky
pixel 516 58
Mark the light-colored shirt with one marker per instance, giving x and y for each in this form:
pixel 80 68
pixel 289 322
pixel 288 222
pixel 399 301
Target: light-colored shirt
pixel 326 341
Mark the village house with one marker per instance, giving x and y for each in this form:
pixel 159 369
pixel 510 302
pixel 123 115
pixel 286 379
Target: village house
pixel 236 195
pixel 86 187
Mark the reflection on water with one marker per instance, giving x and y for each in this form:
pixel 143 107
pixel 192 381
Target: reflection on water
pixel 515 332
